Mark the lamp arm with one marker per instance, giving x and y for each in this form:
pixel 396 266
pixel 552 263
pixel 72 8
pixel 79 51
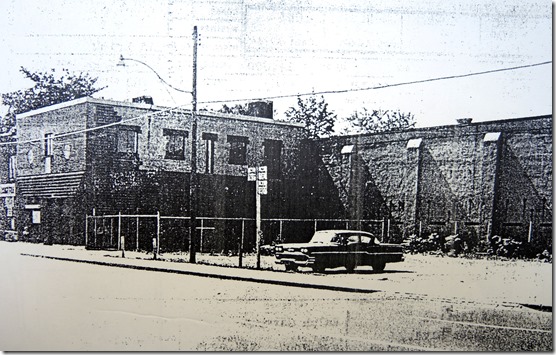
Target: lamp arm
pixel 154 71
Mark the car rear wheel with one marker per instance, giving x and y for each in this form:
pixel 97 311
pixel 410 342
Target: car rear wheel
pixel 291 267
pixel 350 265
pixel 379 266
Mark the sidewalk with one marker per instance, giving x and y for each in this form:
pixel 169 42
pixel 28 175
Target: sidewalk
pixel 484 281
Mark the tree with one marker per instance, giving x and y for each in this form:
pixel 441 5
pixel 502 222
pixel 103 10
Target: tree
pixel 237 109
pixel 48 90
pixel 318 120
pixel 377 121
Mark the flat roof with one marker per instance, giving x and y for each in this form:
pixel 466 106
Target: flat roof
pixel 144 106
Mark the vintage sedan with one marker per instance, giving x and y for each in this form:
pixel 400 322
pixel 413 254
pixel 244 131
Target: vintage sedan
pixel 336 248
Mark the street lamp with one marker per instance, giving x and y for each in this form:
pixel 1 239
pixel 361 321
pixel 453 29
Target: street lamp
pixel 193 178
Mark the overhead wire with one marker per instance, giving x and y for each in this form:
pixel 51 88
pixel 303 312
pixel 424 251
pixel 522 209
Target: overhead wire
pixel 281 97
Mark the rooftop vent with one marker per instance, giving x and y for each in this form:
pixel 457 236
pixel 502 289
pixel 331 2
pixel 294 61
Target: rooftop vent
pixel 261 109
pixel 143 100
pixel 466 120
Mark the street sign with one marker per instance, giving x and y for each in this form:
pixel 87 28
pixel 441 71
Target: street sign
pixel 262 187
pixel 262 173
pixel 251 174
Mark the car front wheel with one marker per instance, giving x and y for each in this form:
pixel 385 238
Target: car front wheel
pixel 291 267
pixel 318 268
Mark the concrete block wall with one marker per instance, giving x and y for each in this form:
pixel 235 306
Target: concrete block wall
pixel 479 179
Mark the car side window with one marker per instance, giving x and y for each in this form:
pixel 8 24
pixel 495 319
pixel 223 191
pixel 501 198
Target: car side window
pixel 366 240
pixel 353 239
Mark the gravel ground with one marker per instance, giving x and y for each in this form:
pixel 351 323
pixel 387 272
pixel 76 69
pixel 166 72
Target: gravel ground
pixel 483 280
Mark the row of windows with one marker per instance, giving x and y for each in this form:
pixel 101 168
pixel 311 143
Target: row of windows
pixel 176 142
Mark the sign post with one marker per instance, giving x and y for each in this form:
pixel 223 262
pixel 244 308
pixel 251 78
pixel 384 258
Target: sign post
pixel 259 176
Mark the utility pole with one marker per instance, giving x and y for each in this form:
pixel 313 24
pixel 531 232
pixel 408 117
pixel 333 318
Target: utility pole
pixel 193 178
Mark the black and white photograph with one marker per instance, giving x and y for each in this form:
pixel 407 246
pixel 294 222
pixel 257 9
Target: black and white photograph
pixel 276 175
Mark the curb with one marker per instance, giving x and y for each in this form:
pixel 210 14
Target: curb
pixel 210 275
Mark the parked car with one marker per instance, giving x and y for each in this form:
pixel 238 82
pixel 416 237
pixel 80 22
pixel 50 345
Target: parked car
pixel 335 248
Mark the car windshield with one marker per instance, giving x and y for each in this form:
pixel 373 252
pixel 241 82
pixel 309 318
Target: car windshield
pixel 323 237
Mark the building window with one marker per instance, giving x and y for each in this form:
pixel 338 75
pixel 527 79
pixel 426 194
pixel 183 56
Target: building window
pixel 175 144
pixel 210 139
pixel 48 152
pixel 273 158
pixel 128 139
pixel 12 167
pixel 36 216
pixel 238 150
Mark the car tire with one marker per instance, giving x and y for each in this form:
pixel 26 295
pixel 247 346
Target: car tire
pixel 291 267
pixel 350 266
pixel 379 266
pixel 318 268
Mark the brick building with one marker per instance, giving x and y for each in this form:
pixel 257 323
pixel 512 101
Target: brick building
pixel 135 158
pixel 471 178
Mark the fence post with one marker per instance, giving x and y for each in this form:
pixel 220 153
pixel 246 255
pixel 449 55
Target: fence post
pixel 119 230
pixel 95 226
pixel 111 231
pixel 280 233
pixel 388 232
pixel 137 234
pixel 201 235
pixel 456 228
pixel 383 229
pixel 315 225
pixel 241 242
pixel 157 232
pixel 86 228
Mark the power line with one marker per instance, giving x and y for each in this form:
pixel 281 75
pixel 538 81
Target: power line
pixel 382 86
pixel 280 97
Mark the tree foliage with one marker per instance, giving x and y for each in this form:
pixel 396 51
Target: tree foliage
pixel 377 121
pixel 314 114
pixel 48 89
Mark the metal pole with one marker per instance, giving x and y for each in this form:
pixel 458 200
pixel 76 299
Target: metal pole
pixel 258 225
pixel 193 176
pixel 86 228
pixel 157 232
pixel 530 234
pixel 119 230
pixel 388 232
pixel 241 243
pixel 95 226
pixel 201 235
pixel 456 228
pixel 137 234
pixel 281 221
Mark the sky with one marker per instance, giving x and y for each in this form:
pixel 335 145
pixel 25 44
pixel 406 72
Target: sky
pixel 254 49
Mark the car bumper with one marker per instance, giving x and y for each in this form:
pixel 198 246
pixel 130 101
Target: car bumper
pixel 298 260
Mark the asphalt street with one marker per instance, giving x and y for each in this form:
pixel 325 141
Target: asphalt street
pixel 54 304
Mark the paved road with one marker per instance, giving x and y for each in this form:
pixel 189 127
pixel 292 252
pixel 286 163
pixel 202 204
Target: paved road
pixel 49 304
